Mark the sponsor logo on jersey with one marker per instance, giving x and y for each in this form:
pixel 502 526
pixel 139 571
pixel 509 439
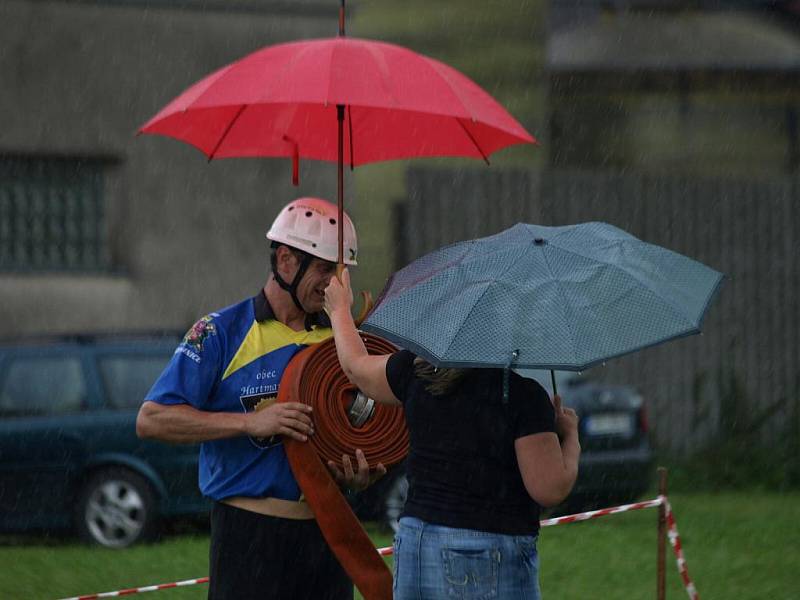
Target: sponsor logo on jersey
pixel 260 401
pixel 199 332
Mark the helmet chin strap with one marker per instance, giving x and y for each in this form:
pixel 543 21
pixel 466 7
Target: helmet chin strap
pixel 292 287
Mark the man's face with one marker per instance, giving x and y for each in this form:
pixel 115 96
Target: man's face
pixel 311 289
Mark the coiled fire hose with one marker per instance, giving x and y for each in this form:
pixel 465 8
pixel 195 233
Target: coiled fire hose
pixel 314 377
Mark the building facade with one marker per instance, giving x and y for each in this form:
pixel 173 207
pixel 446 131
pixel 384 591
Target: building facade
pixel 103 231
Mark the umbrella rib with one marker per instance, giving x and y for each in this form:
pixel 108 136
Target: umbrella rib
pixel 473 140
pixel 328 97
pixel 228 127
pixel 600 361
pixel 564 303
pixel 445 75
pixel 449 265
pixel 467 316
pixel 291 109
pixel 445 72
pixel 278 79
pixel 380 63
pixel 350 129
pixel 631 274
pixel 477 300
pixel 206 82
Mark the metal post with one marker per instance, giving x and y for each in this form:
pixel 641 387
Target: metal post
pixel 661 590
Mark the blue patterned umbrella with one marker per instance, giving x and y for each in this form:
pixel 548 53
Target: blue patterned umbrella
pixel 563 298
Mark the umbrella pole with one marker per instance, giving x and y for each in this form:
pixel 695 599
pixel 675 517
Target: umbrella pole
pixel 340 190
pixel 366 296
pixel 340 163
pixel 553 381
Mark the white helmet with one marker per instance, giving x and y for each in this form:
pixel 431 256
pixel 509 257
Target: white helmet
pixel 310 224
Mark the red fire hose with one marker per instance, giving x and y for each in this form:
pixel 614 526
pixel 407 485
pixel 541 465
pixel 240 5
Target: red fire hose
pixel 314 377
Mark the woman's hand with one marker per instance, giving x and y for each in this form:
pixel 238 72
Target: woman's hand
pixel 548 462
pixel 338 294
pixel 566 420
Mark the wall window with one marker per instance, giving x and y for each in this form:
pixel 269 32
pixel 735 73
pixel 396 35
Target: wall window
pixel 51 214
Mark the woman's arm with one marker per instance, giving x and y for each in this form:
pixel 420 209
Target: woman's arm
pixel 366 371
pixel 549 465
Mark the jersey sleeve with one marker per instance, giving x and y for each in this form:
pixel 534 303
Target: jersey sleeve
pixel 400 372
pixel 194 370
pixel 533 408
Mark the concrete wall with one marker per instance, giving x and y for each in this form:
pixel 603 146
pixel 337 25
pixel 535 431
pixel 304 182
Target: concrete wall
pixel 185 236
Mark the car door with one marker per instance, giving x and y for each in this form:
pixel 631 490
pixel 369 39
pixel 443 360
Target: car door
pixel 127 371
pixel 44 392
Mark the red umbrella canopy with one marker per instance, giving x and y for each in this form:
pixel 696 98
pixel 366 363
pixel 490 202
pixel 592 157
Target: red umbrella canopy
pixel 282 101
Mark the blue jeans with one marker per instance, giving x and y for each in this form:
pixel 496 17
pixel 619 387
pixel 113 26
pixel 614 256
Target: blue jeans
pixel 433 562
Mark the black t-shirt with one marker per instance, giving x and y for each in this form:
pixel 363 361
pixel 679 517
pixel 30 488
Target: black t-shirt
pixel 462 467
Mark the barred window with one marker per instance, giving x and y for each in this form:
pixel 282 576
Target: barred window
pixel 51 214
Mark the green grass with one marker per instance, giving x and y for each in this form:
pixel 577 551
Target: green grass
pixel 737 545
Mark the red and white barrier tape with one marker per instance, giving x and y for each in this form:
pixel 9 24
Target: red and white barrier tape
pixel 147 588
pixel 593 514
pixel 674 540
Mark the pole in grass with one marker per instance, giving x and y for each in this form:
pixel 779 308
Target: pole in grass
pixel 661 591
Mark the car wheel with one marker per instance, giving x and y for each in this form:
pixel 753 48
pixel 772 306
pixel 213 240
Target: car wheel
pixel 394 502
pixel 116 508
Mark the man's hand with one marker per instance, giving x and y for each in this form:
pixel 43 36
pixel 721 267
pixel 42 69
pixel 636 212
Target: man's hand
pixel 291 419
pixel 349 480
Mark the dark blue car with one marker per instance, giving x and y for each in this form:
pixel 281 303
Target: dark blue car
pixel 69 455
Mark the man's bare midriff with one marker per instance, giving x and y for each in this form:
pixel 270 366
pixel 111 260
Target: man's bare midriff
pixel 274 507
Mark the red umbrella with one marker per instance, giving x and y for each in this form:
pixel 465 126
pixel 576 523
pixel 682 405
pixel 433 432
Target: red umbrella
pixel 397 104
pixel 316 98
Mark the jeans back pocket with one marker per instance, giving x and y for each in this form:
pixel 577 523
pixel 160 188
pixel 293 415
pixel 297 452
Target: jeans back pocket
pixel 471 573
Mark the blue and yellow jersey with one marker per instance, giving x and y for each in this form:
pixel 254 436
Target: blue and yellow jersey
pixel 233 361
